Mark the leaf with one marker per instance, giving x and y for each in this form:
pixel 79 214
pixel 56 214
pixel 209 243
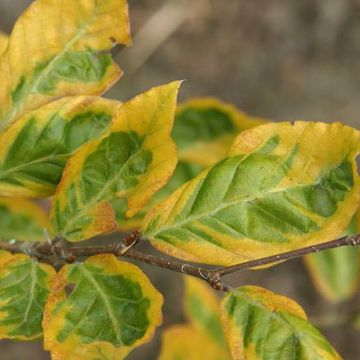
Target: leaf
pixel 262 325
pixel 35 149
pixel 22 220
pixel 204 129
pixel 133 160
pixel 183 172
pixel 100 309
pixel 185 342
pixel 3 42
pixel 336 272
pixel 202 308
pixel 24 288
pixel 276 191
pixel 60 48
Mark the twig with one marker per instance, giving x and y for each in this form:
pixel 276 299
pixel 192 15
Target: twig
pixel 353 240
pixel 125 248
pixel 209 276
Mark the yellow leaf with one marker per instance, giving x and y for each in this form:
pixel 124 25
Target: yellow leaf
pixel 283 186
pixel 185 342
pixel 204 129
pixel 22 220
pixel 100 309
pixel 3 42
pixel 202 309
pixel 133 160
pixel 60 48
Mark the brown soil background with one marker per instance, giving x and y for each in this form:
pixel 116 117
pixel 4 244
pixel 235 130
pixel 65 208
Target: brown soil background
pixel 279 59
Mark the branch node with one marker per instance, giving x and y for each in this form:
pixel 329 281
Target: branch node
pixel 214 279
pixel 353 240
pixel 127 243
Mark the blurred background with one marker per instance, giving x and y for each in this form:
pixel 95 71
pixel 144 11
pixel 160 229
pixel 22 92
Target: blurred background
pixel 278 59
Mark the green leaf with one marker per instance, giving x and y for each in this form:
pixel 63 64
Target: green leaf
pixel 36 148
pixel 262 325
pixel 336 272
pixel 60 48
pixel 183 172
pixel 133 160
pixel 24 288
pixel 22 220
pixel 276 191
pixel 100 309
pixel 204 129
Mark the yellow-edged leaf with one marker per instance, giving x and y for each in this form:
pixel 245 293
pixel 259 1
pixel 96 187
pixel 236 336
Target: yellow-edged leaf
pixel 261 325
pixel 100 309
pixel 183 172
pixel 3 42
pixel 202 308
pixel 35 149
pixel 24 288
pixel 336 272
pixel 133 160
pixel 283 186
pixel 185 342
pixel 204 129
pixel 60 48
pixel 22 220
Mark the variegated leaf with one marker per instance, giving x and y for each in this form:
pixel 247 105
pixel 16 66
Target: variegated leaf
pixel 265 326
pixel 3 42
pixel 202 308
pixel 60 48
pixel 133 160
pixel 204 129
pixel 100 309
pixel 185 342
pixel 24 288
pixel 183 172
pixel 22 220
pixel 283 186
pixel 336 272
pixel 35 149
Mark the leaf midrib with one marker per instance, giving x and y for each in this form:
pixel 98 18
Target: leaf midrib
pixel 278 315
pixel 32 162
pixel 87 274
pixel 99 196
pixel 223 206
